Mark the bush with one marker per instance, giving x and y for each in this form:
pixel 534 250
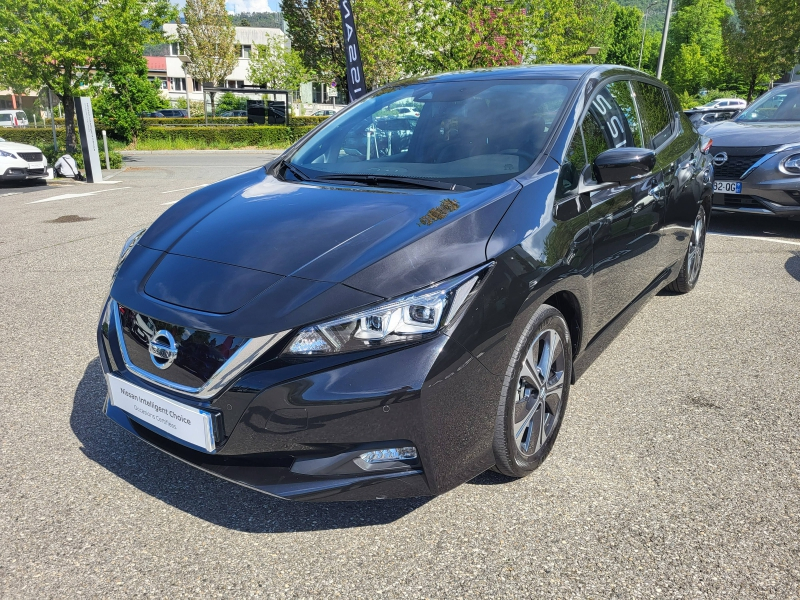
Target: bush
pixel 195 121
pixel 35 136
pixel 293 121
pixel 257 135
pixel 43 139
pixel 114 159
pixel 300 121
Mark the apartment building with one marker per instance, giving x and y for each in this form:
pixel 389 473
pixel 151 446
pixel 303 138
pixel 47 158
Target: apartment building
pixel 165 63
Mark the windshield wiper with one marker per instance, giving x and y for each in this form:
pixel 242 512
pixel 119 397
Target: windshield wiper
pixel 294 170
pixel 392 179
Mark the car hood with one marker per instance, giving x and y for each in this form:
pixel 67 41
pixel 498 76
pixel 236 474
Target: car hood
pixel 16 147
pixel 735 133
pixel 237 243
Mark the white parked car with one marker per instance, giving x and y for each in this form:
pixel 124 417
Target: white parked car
pixel 405 111
pixel 723 104
pixel 13 118
pixel 21 161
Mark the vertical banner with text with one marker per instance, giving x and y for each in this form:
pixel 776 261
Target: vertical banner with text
pixel 352 53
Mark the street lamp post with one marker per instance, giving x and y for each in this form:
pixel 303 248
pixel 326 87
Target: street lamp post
pixel 644 30
pixel 664 40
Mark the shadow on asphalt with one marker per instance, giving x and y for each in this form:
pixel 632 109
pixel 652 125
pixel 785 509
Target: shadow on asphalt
pixel 202 495
pixel 793 265
pixel 491 478
pixel 755 225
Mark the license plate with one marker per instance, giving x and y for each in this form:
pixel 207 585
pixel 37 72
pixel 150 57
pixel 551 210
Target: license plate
pixel 728 187
pixel 186 423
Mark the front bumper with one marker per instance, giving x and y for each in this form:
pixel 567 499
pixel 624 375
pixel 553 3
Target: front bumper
pixel 14 174
pixel 23 171
pixel 766 190
pixel 292 429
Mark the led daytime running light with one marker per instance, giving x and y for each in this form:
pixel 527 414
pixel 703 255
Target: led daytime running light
pixel 401 320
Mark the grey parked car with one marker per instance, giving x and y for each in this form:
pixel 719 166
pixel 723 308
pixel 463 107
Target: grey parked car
pixel 757 156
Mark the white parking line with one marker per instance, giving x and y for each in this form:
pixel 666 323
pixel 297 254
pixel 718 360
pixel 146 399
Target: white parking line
pixel 69 196
pixel 186 188
pixel 169 203
pixel 752 237
pixel 108 181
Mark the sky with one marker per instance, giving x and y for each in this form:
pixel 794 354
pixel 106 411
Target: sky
pixel 246 5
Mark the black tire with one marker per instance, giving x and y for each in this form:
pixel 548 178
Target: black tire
pixel 693 261
pixel 545 411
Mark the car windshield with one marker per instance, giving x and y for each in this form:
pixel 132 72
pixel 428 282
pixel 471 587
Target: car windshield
pixel 781 104
pixel 468 133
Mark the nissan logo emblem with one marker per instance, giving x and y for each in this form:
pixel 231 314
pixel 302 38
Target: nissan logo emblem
pixel 163 350
pixel 720 159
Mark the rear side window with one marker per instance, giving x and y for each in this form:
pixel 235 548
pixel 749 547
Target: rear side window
pixel 5 117
pixel 655 113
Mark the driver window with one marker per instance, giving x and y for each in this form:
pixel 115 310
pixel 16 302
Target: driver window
pixel 572 167
pixel 589 141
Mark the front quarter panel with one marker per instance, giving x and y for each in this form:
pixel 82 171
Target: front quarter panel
pixel 536 258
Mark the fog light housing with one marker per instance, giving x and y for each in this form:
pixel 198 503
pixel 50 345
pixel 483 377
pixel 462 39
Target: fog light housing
pixel 387 459
pixel 389 455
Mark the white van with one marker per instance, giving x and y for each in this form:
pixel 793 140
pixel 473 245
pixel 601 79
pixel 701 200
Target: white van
pixel 13 118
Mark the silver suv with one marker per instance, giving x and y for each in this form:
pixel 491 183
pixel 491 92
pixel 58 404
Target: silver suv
pixel 757 156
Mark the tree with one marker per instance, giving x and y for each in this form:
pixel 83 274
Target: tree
pixel 695 56
pixel 627 39
pixel 230 101
pixel 315 29
pixel 13 76
pixel 762 39
pixel 208 38
pixel 70 45
pixel 560 31
pixel 276 66
pixel 383 32
pixel 125 93
pixel 449 36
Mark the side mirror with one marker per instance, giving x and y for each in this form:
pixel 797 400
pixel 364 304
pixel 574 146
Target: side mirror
pixel 623 165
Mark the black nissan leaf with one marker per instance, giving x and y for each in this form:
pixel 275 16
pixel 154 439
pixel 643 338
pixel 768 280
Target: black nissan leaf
pixel 397 304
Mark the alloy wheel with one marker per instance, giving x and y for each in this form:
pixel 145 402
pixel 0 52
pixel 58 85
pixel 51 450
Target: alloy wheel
pixel 539 393
pixel 696 246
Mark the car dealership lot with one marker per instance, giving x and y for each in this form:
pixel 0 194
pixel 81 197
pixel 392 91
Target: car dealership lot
pixel 675 473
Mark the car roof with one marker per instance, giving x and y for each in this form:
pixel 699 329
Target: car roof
pixel 535 72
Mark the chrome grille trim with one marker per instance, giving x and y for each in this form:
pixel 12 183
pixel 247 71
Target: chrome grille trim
pixel 243 358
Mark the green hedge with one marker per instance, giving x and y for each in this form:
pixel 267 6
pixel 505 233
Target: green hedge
pixel 255 135
pixel 314 121
pixel 36 137
pixel 293 121
pixel 43 139
pixel 149 122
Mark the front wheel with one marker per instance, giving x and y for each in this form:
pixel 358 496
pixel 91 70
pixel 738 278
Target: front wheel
pixel 693 261
pixel 534 394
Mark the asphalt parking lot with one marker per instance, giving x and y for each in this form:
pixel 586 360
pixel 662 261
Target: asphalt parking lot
pixel 676 473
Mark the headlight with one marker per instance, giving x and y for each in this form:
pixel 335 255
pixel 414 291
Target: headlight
pixel 126 249
pixel 404 319
pixel 7 154
pixel 792 164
